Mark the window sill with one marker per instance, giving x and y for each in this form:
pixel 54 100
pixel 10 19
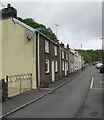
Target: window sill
pixel 47 52
pixel 47 72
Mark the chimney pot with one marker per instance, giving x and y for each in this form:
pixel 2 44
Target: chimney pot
pixel 8 5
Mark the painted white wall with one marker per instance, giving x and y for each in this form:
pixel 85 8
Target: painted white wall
pixel 0 49
pixel 18 53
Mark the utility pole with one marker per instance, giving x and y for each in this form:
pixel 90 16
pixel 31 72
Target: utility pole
pixel 81 58
pixel 56 28
pixel 81 46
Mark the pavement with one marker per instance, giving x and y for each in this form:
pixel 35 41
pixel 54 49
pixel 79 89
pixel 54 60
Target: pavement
pixel 17 102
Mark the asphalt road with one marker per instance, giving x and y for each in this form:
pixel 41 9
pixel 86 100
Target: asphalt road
pixel 67 101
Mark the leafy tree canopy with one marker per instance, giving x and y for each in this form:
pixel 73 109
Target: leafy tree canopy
pixel 91 55
pixel 30 21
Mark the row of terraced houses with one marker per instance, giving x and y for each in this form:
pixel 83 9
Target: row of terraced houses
pixel 30 60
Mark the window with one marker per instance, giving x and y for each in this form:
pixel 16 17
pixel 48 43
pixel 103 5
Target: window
pixel 55 50
pixel 46 46
pixel 56 66
pixel 47 66
pixel 63 65
pixel 66 56
pixel 63 54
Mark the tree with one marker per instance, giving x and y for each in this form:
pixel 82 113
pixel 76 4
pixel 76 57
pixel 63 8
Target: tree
pixel 91 55
pixel 40 27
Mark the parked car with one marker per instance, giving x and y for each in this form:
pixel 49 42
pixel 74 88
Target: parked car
pixel 102 69
pixel 86 64
pixel 98 65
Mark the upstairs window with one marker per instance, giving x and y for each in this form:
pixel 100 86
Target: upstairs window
pixel 55 50
pixel 47 66
pixel 46 46
pixel 63 54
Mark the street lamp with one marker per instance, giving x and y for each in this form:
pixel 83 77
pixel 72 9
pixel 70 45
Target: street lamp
pixel 102 51
pixel 102 42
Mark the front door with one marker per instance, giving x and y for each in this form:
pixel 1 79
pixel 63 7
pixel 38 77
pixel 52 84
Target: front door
pixel 65 69
pixel 53 72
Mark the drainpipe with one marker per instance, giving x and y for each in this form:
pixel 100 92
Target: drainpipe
pixel 60 63
pixel 38 61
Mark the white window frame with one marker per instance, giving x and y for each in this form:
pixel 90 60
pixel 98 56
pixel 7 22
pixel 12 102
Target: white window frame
pixel 56 66
pixel 63 65
pixel 63 54
pixel 55 50
pixel 46 46
pixel 47 63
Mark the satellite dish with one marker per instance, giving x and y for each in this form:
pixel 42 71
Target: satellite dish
pixel 28 36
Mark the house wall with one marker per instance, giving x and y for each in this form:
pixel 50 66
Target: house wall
pixel 18 53
pixel 80 62
pixel 65 61
pixel 76 61
pixel 62 59
pixel 70 62
pixel 55 58
pixel 69 70
pixel 46 78
pixel 0 50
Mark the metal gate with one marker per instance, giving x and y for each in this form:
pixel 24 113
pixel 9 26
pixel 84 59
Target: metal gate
pixel 18 84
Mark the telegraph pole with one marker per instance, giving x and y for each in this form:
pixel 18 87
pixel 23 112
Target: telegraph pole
pixel 81 58
pixel 56 28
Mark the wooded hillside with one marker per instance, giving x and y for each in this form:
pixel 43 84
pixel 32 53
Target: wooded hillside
pixel 91 55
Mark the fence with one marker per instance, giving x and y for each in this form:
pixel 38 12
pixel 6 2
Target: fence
pixel 18 84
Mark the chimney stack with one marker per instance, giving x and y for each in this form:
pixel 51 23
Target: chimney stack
pixel 62 44
pixel 9 12
pixel 67 46
pixel 8 5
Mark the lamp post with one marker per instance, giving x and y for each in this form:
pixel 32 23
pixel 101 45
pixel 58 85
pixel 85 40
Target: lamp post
pixel 102 51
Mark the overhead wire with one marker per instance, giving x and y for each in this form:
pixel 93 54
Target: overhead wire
pixel 2 4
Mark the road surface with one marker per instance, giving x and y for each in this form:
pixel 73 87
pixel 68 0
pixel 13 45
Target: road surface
pixel 75 99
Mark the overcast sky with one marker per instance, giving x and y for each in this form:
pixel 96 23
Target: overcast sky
pixel 79 22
